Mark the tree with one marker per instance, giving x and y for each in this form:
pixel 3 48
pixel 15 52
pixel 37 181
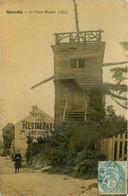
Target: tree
pixel 29 149
pixel 118 90
pixel 125 45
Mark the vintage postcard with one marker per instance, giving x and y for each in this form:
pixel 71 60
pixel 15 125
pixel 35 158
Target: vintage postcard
pixel 63 102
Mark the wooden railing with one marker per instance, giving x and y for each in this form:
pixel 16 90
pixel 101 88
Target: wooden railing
pixel 86 106
pixel 61 117
pixel 65 107
pixel 82 37
pixel 115 148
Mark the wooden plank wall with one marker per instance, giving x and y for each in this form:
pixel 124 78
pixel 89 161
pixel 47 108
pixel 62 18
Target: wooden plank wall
pixel 93 54
pixel 63 93
pixel 84 78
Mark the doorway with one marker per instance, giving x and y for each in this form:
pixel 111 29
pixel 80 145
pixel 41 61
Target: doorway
pixel 77 99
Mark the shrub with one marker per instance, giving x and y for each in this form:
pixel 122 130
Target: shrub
pixel 75 146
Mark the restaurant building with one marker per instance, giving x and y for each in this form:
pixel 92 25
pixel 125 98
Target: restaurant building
pixel 36 124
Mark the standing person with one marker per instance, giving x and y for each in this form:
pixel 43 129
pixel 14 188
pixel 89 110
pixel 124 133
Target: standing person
pixel 18 160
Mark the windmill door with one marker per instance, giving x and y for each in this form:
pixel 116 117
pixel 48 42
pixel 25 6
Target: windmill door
pixel 77 99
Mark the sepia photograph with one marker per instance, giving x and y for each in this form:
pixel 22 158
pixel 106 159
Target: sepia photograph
pixel 63 101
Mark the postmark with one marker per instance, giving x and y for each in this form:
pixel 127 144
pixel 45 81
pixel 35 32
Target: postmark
pixel 112 177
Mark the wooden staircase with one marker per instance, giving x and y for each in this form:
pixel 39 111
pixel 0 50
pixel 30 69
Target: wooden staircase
pixel 76 116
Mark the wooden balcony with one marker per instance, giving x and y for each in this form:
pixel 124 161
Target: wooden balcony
pixel 81 37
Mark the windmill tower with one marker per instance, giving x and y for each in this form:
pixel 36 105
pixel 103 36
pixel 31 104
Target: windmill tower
pixel 78 60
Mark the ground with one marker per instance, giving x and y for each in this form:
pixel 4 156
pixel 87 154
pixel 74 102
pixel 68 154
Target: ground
pixel 31 182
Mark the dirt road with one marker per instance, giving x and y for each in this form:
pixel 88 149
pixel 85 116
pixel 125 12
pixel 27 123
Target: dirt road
pixel 35 183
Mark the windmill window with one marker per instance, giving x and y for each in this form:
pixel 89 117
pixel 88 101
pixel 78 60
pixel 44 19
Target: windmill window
pixel 73 63
pixel 77 63
pixel 81 63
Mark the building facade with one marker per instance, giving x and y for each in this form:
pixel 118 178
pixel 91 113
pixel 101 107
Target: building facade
pixel 36 124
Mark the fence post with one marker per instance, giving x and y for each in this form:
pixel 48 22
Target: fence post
pixel 118 147
pixel 110 151
pixel 123 146
pixel 113 150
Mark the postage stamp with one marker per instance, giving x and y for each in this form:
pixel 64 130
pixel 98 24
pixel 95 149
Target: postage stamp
pixel 112 177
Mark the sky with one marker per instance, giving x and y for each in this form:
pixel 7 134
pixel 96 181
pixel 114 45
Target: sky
pixel 26 53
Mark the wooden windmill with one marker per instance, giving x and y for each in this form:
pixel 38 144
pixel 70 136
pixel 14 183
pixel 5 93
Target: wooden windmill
pixel 78 61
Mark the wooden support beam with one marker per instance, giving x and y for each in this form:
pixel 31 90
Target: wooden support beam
pixel 65 107
pixel 44 81
pixel 86 105
pixel 115 63
pixel 76 19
